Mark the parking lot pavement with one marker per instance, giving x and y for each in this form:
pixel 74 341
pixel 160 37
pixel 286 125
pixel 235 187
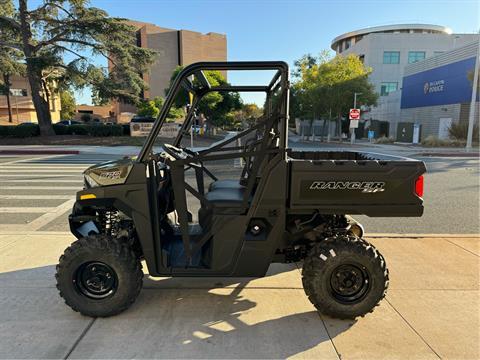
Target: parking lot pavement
pixel 431 310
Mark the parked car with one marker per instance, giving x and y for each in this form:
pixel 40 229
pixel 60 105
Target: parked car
pixel 70 122
pixel 143 119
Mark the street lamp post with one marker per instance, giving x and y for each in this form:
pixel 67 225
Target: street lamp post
pixel 352 136
pixel 471 116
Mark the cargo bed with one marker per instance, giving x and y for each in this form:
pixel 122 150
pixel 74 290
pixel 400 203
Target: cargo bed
pixel 350 182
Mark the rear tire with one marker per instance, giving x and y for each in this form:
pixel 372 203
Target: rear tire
pixel 345 277
pixel 99 276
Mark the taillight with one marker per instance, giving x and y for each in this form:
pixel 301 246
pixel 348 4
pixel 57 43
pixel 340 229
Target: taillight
pixel 419 186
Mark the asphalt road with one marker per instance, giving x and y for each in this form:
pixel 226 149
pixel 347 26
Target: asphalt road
pixel 37 192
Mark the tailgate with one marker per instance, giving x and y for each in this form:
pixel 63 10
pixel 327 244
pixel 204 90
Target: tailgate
pixel 369 187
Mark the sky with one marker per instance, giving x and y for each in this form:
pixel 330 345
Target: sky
pixel 287 29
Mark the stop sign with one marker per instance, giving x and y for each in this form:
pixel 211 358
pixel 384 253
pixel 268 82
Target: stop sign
pixel 354 114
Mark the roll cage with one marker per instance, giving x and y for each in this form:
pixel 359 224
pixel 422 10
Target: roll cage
pixel 269 141
pixel 183 81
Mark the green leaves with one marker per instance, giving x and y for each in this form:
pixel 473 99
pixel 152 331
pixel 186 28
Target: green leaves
pixel 151 108
pixel 62 41
pixel 323 84
pixel 214 105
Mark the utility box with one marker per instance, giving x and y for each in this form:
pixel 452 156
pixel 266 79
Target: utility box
pixel 405 132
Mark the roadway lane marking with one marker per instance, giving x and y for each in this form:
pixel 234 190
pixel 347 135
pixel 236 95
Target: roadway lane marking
pixel 41 175
pixel 30 170
pixel 35 166
pixel 40 188
pixel 20 161
pixel 50 216
pixel 36 197
pixel 26 210
pixel 80 180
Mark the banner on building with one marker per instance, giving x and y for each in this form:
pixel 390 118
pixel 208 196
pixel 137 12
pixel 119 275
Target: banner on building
pixel 447 84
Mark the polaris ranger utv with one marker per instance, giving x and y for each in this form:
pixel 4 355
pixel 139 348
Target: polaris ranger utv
pixel 285 206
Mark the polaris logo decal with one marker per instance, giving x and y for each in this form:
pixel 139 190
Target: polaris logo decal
pixel 363 186
pixel 111 174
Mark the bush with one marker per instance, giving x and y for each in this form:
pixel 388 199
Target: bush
pixel 78 129
pixel 6 130
pixel 126 129
pixel 60 129
pixel 434 141
pixel 105 130
pixel 459 131
pixel 25 130
pixel 385 140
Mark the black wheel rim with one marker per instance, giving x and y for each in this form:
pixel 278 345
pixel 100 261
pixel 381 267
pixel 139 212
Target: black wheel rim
pixel 96 280
pixel 349 283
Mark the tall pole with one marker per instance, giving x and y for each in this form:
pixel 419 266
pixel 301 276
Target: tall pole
pixel 471 116
pixel 352 137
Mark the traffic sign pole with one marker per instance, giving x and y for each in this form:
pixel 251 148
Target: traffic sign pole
pixel 354 115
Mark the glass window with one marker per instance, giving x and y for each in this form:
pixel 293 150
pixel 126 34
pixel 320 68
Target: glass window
pixel 414 56
pixel 391 57
pixel 348 42
pixel 387 87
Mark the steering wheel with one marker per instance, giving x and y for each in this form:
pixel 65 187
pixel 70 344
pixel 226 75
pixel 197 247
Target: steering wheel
pixel 176 153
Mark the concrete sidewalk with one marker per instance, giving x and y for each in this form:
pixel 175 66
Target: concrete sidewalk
pixel 431 310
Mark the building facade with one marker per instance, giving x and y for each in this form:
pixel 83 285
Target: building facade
pixel 174 48
pixel 437 92
pixel 388 50
pixel 21 104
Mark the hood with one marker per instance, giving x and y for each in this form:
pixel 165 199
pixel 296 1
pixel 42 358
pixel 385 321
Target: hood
pixel 109 173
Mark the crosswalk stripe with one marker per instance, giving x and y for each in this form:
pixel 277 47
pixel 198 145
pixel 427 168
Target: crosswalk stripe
pixel 55 171
pixel 26 209
pixel 36 197
pixel 50 216
pixel 42 181
pixel 42 175
pixel 40 188
pixel 36 166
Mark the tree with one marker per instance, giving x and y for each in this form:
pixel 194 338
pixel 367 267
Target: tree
pixel 248 113
pixel 151 108
pixel 10 64
pixel 214 105
pixel 68 106
pixel 57 28
pixel 327 86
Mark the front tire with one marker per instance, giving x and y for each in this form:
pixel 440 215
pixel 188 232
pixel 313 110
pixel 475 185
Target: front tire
pixel 345 277
pixel 99 276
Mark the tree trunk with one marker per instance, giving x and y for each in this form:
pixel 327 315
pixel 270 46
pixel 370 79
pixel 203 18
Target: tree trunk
pixel 34 74
pixel 6 81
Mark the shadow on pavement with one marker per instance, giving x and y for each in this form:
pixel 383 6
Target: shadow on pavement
pixel 227 320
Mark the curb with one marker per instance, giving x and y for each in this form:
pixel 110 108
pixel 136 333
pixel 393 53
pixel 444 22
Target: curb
pixel 39 152
pixel 419 236
pixel 456 154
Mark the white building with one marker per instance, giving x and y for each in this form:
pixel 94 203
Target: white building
pixel 388 49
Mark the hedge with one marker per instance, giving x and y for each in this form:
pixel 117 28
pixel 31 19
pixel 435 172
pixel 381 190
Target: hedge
pixel 30 130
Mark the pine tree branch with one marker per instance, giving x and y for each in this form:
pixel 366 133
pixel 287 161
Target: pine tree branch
pixel 11 45
pixel 16 25
pixel 72 51
pixel 46 5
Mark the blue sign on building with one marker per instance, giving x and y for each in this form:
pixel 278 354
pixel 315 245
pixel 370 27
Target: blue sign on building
pixel 448 84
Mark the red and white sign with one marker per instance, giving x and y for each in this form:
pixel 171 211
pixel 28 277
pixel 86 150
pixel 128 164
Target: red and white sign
pixel 354 114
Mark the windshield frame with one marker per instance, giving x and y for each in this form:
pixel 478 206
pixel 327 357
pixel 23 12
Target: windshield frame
pixel 182 81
